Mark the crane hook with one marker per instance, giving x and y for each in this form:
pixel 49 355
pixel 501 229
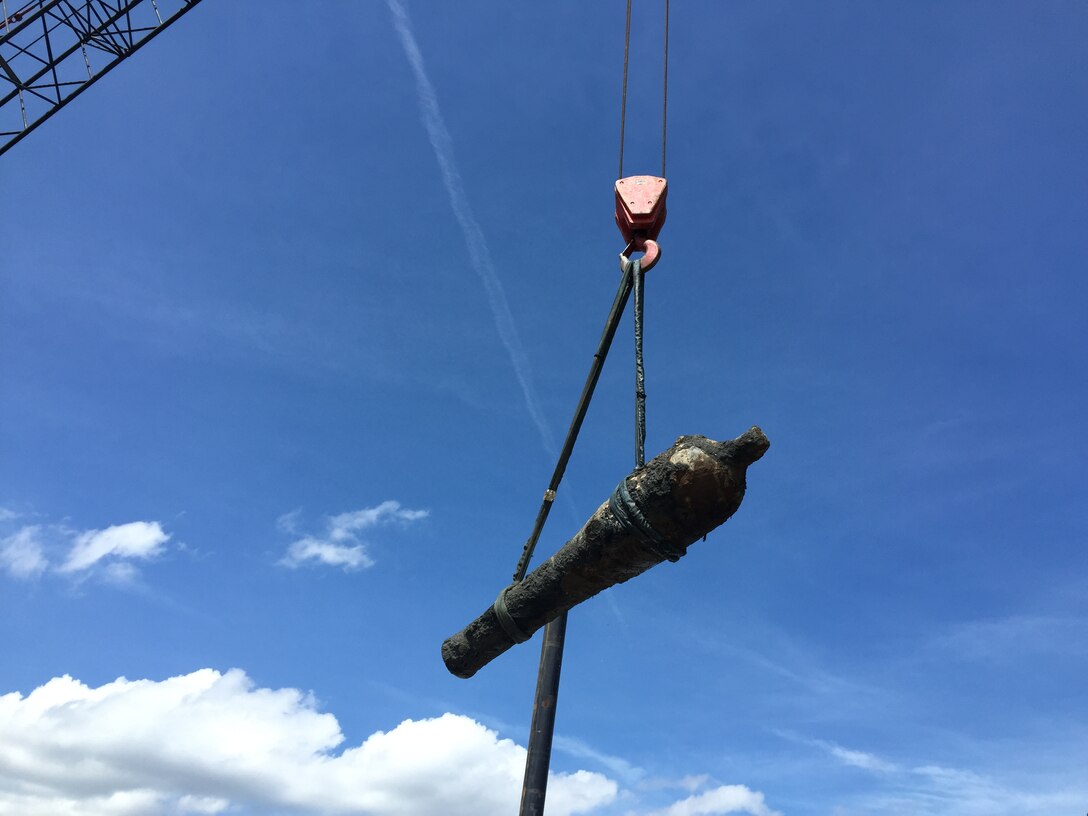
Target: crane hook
pixel 648 246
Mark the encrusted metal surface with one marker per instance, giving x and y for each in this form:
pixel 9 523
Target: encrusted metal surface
pixel 683 494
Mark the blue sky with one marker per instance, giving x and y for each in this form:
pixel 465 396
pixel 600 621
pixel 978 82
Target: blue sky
pixel 296 303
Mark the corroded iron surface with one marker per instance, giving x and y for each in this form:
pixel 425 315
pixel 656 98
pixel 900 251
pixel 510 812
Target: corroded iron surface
pixel 683 493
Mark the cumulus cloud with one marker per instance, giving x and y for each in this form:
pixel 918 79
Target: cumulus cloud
pixel 721 800
pixel 340 546
pixel 21 554
pixel 208 742
pixel 137 539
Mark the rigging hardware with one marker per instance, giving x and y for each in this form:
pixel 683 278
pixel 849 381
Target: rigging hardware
pixel 640 214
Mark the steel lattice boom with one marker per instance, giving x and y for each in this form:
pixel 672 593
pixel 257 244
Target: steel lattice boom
pixel 53 50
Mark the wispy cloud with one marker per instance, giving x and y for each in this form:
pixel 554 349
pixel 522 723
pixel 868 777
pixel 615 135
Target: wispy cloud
pixel 572 746
pixel 340 545
pixel 939 791
pixel 320 551
pixel 479 254
pixel 901 787
pixel 288 522
pixel 1012 638
pixel 109 553
pixel 808 681
pixel 22 555
pixel 137 539
pixel 847 756
pixel 691 783
pixel 7 514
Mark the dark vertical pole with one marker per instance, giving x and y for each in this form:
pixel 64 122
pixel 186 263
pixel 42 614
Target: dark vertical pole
pixel 540 732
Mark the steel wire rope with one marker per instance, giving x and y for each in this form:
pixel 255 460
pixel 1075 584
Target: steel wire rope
pixel 623 95
pixel 665 93
pixel 664 89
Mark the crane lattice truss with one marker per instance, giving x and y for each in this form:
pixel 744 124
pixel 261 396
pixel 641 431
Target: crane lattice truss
pixel 51 51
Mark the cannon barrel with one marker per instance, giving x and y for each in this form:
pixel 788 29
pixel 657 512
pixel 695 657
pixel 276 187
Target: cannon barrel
pixel 655 513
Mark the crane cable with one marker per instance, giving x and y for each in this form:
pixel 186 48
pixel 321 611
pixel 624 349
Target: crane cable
pixel 639 277
pixel 664 90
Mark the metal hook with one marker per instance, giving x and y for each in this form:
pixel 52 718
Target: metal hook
pixel 652 253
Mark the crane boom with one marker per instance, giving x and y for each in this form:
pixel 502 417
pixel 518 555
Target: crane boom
pixel 51 51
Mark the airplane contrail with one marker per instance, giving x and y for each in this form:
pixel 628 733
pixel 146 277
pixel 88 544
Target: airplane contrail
pixel 479 254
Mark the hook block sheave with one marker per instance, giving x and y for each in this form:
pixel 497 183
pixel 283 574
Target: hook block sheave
pixel 657 511
pixel 640 208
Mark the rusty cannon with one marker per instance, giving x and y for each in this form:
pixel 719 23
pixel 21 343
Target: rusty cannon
pixel 654 514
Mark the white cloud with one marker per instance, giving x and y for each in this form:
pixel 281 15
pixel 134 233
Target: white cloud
pixel 120 573
pixel 324 552
pixel 343 526
pixel 108 553
pixel 7 515
pixel 942 791
pixel 137 539
pixel 206 741
pixel 288 522
pixel 21 553
pixel 721 800
pixel 847 756
pixel 341 546
pixel 860 759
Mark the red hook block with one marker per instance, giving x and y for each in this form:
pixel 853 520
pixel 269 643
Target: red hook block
pixel 640 208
